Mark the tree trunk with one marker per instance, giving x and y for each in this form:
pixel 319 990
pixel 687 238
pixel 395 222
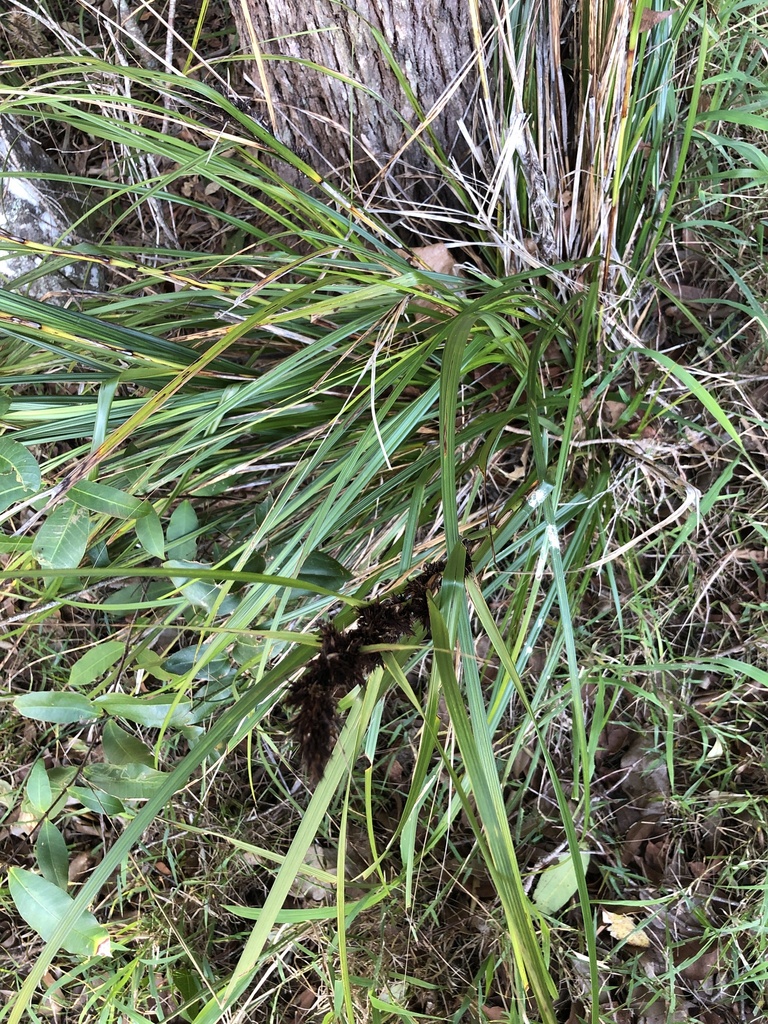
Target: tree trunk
pixel 38 204
pixel 353 113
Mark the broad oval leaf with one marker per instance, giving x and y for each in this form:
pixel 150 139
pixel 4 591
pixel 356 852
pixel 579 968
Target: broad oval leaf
pixel 19 472
pixel 61 779
pixel 106 500
pixel 180 533
pixel 54 797
pixel 183 660
pixel 320 568
pixel 152 663
pixel 38 789
pixel 121 748
pixel 95 662
pixel 557 883
pixel 52 706
pixel 52 854
pixel 154 712
pixel 149 530
pixel 201 593
pixel 98 554
pixel 138 596
pixel 126 782
pixel 43 904
pixel 256 563
pixel 61 541
pixel 11 492
pixel 18 462
pixel 99 803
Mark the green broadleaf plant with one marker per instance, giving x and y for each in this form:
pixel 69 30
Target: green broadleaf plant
pixel 61 541
pixel 52 855
pixel 44 906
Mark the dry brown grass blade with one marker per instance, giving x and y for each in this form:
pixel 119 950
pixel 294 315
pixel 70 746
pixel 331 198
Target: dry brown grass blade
pixel 606 76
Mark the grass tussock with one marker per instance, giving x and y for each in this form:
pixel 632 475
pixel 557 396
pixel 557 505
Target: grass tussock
pixel 268 421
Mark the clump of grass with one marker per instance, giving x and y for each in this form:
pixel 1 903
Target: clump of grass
pixel 240 438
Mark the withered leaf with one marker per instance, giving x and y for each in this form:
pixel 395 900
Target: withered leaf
pixel 650 18
pixel 624 928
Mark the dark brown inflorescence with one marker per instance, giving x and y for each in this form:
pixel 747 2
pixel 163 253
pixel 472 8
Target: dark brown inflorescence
pixel 343 663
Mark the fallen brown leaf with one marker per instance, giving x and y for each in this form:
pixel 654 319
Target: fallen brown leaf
pixel 650 18
pixel 624 928
pixel 703 961
pixel 435 257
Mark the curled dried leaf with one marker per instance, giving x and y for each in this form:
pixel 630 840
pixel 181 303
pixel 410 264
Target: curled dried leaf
pixel 625 929
pixel 650 18
pixel 435 257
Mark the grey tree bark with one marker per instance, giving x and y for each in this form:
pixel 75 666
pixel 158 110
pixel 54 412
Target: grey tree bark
pixel 351 109
pixel 36 206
